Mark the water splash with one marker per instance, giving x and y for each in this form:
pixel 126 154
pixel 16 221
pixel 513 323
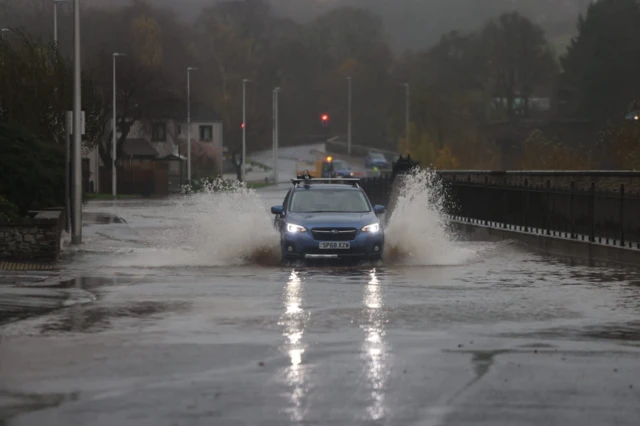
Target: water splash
pixel 418 231
pixel 224 223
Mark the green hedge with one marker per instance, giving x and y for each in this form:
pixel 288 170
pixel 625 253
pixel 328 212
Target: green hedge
pixel 32 170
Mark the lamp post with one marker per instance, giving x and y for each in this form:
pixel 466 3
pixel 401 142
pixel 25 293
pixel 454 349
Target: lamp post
pixel 189 123
pixel 276 129
pixel 349 119
pixel 407 111
pixel 76 231
pixel 244 128
pixel 114 152
pixel 55 19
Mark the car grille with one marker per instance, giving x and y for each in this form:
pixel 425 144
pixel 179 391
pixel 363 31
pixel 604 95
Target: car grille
pixel 334 234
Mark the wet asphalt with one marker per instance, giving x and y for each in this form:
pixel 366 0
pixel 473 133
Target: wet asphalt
pixel 509 337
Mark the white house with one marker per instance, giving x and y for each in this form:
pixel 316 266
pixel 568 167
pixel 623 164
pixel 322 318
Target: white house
pixel 163 136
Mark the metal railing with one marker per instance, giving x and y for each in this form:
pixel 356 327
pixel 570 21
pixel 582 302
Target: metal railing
pixel 610 217
pixel 595 215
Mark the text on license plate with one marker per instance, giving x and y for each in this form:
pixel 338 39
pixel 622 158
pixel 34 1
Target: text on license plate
pixel 335 246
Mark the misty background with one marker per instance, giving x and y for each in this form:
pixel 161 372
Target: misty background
pixel 512 84
pixel 415 24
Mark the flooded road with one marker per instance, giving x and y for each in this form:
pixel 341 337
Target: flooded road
pixel 186 330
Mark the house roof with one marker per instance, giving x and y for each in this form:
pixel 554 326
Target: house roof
pixel 138 148
pixel 176 109
pixel 174 157
pixel 204 114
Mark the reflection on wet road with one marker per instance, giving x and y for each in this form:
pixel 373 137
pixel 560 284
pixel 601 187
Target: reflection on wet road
pixel 293 322
pixel 507 337
pixel 375 353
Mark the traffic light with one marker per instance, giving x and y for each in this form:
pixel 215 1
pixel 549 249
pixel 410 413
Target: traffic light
pixel 325 120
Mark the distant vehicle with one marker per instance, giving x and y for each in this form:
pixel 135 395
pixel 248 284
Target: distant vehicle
pixel 329 219
pixel 376 159
pixel 341 169
pixel 327 167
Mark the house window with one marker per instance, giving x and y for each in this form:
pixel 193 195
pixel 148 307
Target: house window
pixel 159 132
pixel 206 133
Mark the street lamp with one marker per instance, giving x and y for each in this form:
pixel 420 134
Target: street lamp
pixel 76 231
pixel 349 120
pixel 55 19
pixel 189 122
pixel 276 129
pixel 244 128
pixel 407 111
pixel 114 152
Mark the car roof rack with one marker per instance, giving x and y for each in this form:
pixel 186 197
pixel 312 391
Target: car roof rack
pixel 307 180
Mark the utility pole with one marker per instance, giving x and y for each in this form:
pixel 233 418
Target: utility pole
pixel 189 123
pixel 114 151
pixel 76 236
pixel 244 129
pixel 349 120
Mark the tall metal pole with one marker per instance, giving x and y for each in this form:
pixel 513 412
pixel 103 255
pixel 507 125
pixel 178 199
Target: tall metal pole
pixel 55 19
pixel 407 112
pixel 67 172
pixel 275 164
pixel 244 128
pixel 189 126
pixel 114 124
pixel 349 119
pixel 55 22
pixel 76 237
pixel 273 132
pixel 189 123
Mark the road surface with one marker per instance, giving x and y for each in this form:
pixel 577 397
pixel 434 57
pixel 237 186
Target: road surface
pixel 184 333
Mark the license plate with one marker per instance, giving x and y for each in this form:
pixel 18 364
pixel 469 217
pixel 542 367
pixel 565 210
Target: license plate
pixel 335 246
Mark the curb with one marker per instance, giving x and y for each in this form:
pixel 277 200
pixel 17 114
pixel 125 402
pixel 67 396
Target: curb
pixel 18 266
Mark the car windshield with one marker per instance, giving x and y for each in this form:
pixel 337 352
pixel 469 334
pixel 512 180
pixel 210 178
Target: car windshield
pixel 377 156
pixel 329 200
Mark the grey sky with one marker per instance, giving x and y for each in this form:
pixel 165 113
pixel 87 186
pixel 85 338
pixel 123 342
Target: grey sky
pixel 417 23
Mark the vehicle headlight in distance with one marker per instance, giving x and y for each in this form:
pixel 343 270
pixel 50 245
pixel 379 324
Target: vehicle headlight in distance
pixel 294 229
pixel 373 228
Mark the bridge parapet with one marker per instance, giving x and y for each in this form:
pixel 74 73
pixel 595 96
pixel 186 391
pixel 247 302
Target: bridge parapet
pixel 596 206
pixel 605 180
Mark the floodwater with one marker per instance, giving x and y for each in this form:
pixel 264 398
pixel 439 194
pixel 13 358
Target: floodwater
pixel 196 322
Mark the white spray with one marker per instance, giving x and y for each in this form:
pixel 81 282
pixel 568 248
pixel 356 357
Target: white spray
pixel 225 224
pixel 418 231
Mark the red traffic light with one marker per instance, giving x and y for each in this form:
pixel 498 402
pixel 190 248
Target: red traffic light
pixel 325 117
pixel 242 126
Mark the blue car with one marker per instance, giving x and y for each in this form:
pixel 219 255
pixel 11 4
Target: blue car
pixel 329 219
pixel 376 159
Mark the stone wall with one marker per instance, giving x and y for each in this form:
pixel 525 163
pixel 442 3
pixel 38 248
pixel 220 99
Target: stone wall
pixel 35 238
pixel 604 180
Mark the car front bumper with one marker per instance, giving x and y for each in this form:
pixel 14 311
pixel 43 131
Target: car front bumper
pixel 305 246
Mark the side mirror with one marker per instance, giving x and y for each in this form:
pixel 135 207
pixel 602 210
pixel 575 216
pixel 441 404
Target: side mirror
pixel 277 210
pixel 379 209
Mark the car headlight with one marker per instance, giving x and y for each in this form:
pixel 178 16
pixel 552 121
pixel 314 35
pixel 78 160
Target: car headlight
pixel 294 229
pixel 373 228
